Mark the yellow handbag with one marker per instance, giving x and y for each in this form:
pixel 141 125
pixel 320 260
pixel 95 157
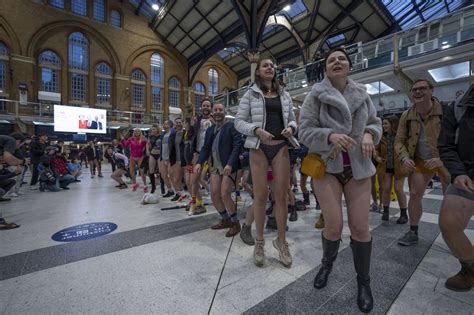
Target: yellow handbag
pixel 313 166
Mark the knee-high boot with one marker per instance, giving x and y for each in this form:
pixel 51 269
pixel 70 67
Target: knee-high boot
pixel 153 183
pixel 361 252
pixel 330 250
pixel 162 184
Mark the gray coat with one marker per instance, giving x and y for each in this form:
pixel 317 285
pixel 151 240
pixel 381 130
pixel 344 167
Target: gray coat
pixel 325 110
pixel 251 115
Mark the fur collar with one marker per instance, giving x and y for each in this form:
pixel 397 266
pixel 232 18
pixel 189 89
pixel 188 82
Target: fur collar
pixel 354 92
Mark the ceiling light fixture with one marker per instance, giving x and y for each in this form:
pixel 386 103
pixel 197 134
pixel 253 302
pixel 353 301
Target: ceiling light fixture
pixel 287 8
pixel 155 7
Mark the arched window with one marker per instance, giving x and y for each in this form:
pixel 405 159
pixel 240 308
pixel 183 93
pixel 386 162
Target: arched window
pixel 78 66
pixel 199 93
pixel 50 69
pixel 138 89
pixel 213 81
pixel 79 7
pixel 115 18
pixel 98 10
pixel 57 3
pixel 174 88
pixel 4 57
pixel 157 67
pixel 103 86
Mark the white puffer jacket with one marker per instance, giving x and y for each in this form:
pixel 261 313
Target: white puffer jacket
pixel 252 114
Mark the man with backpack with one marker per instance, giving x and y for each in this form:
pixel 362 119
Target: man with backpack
pixel 456 150
pixel 416 146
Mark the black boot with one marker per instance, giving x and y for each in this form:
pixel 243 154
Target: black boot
pixel 361 252
pixel 162 184
pixel 293 213
pixel 152 182
pixel 386 213
pixel 330 249
pixel 306 198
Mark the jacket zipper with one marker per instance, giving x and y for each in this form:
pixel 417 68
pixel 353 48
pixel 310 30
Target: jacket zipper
pixel 264 119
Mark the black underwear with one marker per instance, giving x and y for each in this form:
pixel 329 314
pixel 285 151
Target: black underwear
pixel 345 176
pixel 271 150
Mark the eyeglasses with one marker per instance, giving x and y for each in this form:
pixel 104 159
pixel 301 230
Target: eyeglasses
pixel 421 88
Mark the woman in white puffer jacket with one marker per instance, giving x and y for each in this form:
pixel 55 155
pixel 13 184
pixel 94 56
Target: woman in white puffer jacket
pixel 266 117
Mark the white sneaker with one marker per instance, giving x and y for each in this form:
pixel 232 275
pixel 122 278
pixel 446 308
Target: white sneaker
pixel 13 195
pixel 34 187
pixel 19 193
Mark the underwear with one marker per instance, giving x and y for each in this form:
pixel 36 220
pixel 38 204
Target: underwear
pixel 155 156
pixel 271 150
pixel 345 176
pixel 189 169
pixel 136 159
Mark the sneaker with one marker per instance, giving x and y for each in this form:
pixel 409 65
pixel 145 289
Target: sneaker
pixel 246 234
pixel 100 175
pixel 374 207
pixel 223 224
pixel 283 251
pixel 118 186
pixel 293 214
pixel 402 219
pixel 259 252
pixel 182 198
pixel 123 186
pixel 234 229
pixel 19 193
pixel 33 187
pixel 410 238
pixel 189 206
pixel 145 189
pixel 11 195
pixel 135 187
pixel 176 197
pixel 199 209
pixel 168 194
pixel 130 182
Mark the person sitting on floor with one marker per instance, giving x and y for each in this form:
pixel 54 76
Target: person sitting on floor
pixel 61 171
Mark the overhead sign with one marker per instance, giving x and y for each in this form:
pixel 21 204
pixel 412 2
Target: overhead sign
pixel 84 232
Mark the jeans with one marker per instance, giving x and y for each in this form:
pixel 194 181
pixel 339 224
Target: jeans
pixel 65 180
pixel 35 175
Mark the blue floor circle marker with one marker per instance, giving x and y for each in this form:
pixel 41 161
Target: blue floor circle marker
pixel 84 232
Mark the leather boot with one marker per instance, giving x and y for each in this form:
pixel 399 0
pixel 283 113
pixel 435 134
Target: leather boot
pixel 330 250
pixel 293 213
pixel 386 214
pixel 152 182
pixel 361 252
pixel 306 198
pixel 464 279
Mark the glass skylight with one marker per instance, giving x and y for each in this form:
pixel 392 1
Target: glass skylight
pixel 335 39
pixel 373 88
pixel 451 72
pixel 407 14
pixel 226 52
pixel 293 10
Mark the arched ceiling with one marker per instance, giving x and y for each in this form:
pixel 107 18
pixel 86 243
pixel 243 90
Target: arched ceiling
pixel 290 31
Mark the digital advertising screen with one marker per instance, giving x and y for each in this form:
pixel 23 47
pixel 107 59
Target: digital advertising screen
pixel 79 119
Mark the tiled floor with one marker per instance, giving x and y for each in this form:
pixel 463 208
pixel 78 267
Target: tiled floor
pixel 166 262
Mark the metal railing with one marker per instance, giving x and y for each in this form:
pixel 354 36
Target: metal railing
pixel 452 30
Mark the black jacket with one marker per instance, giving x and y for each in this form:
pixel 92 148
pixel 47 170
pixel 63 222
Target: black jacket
pixel 458 157
pixel 36 151
pixel 230 145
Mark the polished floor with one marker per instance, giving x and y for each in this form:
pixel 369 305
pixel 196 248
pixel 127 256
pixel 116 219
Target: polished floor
pixel 162 261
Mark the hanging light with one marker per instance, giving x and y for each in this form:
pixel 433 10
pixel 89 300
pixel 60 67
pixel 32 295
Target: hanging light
pixel 155 7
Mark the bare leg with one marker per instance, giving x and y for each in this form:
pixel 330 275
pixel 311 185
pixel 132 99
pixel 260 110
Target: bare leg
pixel 358 200
pixel 418 184
pixel 281 175
pixel 258 167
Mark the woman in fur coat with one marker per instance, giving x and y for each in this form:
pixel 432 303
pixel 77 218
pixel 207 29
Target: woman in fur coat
pixel 338 121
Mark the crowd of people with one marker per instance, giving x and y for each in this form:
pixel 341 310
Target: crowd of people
pixel 336 136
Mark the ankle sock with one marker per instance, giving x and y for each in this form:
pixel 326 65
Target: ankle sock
pixel 233 217
pixel 224 215
pixel 403 212
pixel 414 228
